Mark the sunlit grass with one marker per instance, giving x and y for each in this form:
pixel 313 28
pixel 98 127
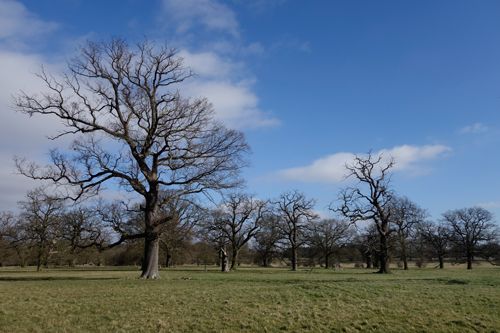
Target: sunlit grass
pixel 250 300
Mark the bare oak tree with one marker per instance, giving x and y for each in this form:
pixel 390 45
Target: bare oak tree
pixel 179 229
pixel 239 218
pixel 267 239
pixel 80 227
pixel 367 243
pixel 469 228
pixel 370 199
pixel 437 236
pixel 40 218
pixel 406 215
pixel 328 236
pixel 13 235
pixel 134 130
pixel 296 213
pixel 216 237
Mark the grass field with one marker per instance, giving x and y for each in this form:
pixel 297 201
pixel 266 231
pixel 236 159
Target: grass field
pixel 251 300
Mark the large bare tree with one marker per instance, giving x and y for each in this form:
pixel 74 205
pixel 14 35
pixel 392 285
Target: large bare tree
pixel 469 228
pixel 370 199
pixel 134 130
pixel 296 213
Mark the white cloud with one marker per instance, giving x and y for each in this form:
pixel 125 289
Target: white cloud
pixel 209 64
pixel 20 135
pixel 225 82
pixel 332 167
pixel 17 23
pixel 219 80
pixel 211 14
pixel 475 128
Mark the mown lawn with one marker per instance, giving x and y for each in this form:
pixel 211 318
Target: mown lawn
pixel 251 300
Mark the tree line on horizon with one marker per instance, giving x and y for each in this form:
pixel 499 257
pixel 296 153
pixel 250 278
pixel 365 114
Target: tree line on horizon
pixel 132 129
pixel 286 231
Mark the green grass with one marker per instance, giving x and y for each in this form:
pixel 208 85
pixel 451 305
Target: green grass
pixel 251 300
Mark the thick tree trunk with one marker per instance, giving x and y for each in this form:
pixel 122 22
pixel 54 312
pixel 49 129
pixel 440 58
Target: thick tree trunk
pixel 39 260
pixel 264 261
pixel 168 260
pixel 441 262
pixel 327 264
pixel 403 255
pixel 294 249
pixel 150 260
pixel 234 259
pixel 469 261
pixel 294 258
pixel 383 255
pixel 223 260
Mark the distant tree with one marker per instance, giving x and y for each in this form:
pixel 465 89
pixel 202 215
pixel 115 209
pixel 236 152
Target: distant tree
pixel 296 213
pixel 216 237
pixel 328 236
pixel 81 228
pixel 367 242
pixel 469 228
pixel 370 199
pixel 238 219
pixel 491 252
pixel 179 230
pixel 13 235
pixel 437 237
pixel 267 239
pixel 405 216
pixel 40 218
pixel 135 131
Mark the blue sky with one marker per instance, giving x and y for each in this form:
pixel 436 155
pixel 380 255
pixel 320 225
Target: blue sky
pixel 309 82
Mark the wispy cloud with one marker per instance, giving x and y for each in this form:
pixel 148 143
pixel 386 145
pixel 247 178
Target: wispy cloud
pixel 18 134
pixel 490 204
pixel 210 14
pixel 17 24
pixel 228 87
pixel 332 169
pixel 225 81
pixel 475 128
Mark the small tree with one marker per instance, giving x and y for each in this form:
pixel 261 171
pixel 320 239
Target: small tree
pixel 296 213
pixel 177 231
pixel 13 235
pixel 328 236
pixel 40 218
pixel 370 199
pixel 437 237
pixel 469 228
pixel 80 228
pixel 215 236
pixel 267 239
pixel 406 215
pixel 238 219
pixel 135 131
pixel 367 243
